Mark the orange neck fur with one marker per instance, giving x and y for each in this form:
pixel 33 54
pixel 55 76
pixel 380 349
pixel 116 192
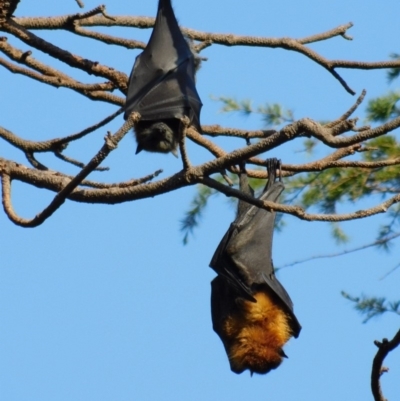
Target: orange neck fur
pixel 256 333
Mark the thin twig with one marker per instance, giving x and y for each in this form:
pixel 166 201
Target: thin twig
pixel 56 144
pixel 108 39
pixel 76 162
pixel 111 142
pixel 182 146
pixel 345 252
pixel 322 164
pixel 91 13
pixel 349 112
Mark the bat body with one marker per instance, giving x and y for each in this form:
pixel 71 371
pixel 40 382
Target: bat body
pixel 162 86
pixel 251 311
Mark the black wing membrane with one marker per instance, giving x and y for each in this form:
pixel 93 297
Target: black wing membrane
pixel 251 311
pixel 244 256
pixel 162 81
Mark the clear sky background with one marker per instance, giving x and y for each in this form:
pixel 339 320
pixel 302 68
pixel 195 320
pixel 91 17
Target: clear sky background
pixel 104 303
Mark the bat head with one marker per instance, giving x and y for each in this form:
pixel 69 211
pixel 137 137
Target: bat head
pixel 157 136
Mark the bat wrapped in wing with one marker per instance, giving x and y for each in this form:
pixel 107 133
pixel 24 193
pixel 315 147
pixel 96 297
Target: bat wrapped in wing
pixel 162 86
pixel 251 311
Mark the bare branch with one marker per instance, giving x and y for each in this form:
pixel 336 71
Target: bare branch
pixel 340 30
pixel 91 13
pixel 52 145
pixel 111 142
pixel 345 252
pixel 90 67
pixel 329 135
pixel 297 210
pixel 384 348
pixel 35 163
pixel 349 112
pixel 67 187
pixel 54 77
pixel 323 164
pixel 297 45
pixel 217 130
pixel 108 39
pixel 182 146
pixel 187 177
pixel 76 162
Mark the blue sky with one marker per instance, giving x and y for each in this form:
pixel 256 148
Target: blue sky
pixel 105 303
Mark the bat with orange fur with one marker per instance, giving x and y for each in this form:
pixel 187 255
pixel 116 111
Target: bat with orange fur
pixel 251 311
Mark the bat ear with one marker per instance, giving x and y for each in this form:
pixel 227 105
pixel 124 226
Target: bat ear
pixel 282 353
pixel 173 151
pixel 138 149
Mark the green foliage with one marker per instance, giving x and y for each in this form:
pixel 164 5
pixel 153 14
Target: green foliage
pixel 338 234
pixel 326 189
pixel 230 105
pixel 272 114
pixel 372 306
pixel 195 212
pixel 383 108
pixel 275 114
pixel 394 72
pixel 309 145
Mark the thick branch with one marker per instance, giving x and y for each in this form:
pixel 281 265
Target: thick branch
pixel 384 348
pixel 187 177
pixel 192 175
pixel 90 67
pixel 297 45
pixel 54 77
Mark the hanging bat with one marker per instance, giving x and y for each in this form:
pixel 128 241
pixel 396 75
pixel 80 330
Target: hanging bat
pixel 162 86
pixel 251 311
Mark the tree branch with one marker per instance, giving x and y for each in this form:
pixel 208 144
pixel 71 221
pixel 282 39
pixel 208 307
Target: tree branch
pixel 330 134
pixel 297 45
pixel 111 142
pixel 384 348
pixel 90 67
pixel 345 252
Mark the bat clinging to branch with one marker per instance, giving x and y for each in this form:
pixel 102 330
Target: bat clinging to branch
pixel 251 311
pixel 162 86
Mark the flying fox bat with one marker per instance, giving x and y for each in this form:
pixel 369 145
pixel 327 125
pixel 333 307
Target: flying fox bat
pixel 251 311
pixel 162 86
